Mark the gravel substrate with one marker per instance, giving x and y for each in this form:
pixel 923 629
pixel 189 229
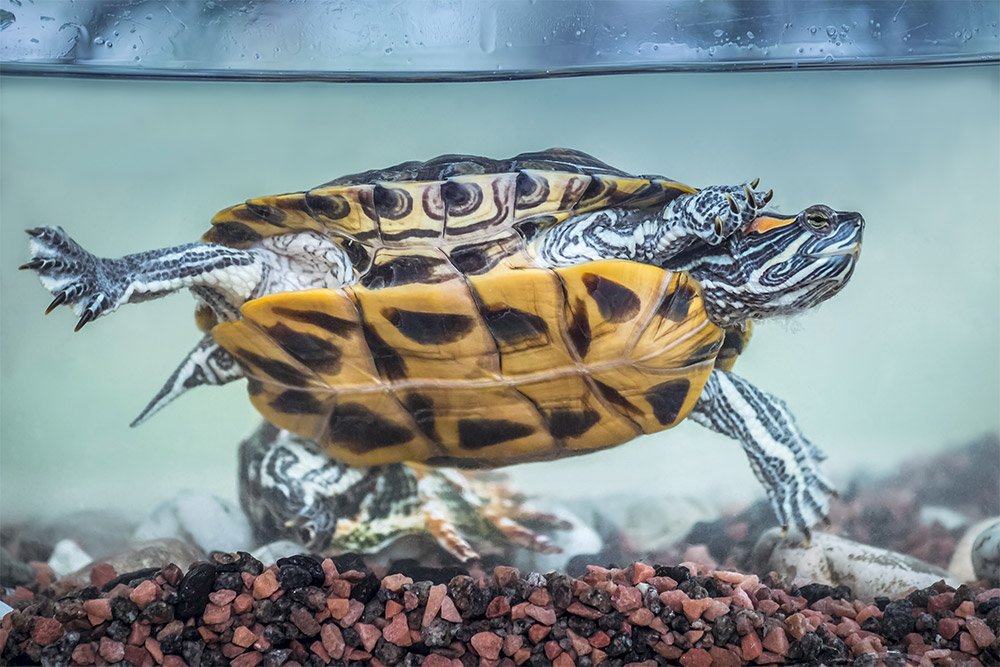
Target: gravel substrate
pixel 307 611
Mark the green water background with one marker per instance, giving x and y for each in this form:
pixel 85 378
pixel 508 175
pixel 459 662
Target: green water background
pixel 903 362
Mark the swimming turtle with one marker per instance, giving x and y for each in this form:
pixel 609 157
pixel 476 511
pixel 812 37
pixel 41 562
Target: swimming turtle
pixel 473 312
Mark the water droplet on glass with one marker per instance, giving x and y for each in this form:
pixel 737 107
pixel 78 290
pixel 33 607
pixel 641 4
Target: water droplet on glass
pixel 508 44
pixel 829 58
pixel 47 18
pixel 718 33
pixel 813 29
pixel 108 44
pixel 98 41
pixel 831 31
pixel 749 35
pixel 388 50
pixel 33 40
pixel 801 50
pixel 149 17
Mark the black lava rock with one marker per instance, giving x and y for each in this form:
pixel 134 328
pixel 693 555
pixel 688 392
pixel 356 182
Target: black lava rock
pixel 193 590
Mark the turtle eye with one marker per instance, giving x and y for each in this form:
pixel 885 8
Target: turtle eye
pixel 818 221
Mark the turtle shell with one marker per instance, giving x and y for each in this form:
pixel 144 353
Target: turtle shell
pixel 426 221
pixel 501 367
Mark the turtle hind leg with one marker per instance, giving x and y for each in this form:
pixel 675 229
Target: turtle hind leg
pixel 93 286
pixel 782 458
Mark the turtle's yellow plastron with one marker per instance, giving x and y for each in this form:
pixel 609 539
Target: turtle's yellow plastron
pixel 506 367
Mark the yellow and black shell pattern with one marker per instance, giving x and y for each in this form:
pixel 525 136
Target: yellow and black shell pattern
pixel 422 221
pixel 511 365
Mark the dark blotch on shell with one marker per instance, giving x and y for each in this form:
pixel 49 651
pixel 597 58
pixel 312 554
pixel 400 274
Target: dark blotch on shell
pixel 261 213
pixel 616 302
pixel 392 203
pixel 511 326
pixel 429 328
pixel 405 270
pixel 362 430
pixel 389 363
pixel 338 326
pixel 675 305
pixel 461 199
pixel 579 329
pixel 312 351
pixel 330 206
pixel 476 434
pixel 667 398
pixel 279 370
pixel 421 408
pixel 531 191
pixel 564 423
pixel 296 402
pixel 233 233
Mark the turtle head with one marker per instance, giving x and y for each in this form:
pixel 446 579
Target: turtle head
pixel 778 265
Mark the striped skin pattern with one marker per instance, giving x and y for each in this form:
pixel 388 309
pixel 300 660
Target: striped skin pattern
pixel 408 223
pixel 563 360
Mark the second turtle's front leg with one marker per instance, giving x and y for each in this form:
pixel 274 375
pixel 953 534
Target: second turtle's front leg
pixel 94 286
pixel 784 460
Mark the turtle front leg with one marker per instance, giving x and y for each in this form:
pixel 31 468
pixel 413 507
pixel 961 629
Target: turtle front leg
pixel 94 286
pixel 784 460
pixel 708 216
pixel 291 490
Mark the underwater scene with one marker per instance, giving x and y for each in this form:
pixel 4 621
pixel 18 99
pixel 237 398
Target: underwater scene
pixel 697 369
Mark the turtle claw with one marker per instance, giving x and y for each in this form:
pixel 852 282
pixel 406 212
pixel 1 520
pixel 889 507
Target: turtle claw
pixel 56 302
pixel 754 183
pixel 89 285
pixel 733 206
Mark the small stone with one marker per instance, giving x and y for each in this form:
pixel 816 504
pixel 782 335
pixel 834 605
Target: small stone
pixel 305 621
pixel 564 660
pixel 486 645
pixel 967 644
pixel 369 635
pixel 751 647
pixel 449 612
pixel 338 607
pixel 775 641
pixel 249 659
pixel 599 639
pixel 511 644
pixel 948 627
pixel 697 657
pixel 580 609
pixel 395 582
pixel 265 585
pixel 46 630
pixel 797 626
pixel 222 597
pixel 392 608
pixel 242 603
pixel 506 576
pixel 145 593
pixel 355 609
pixel 215 614
pixel 980 632
pixel 626 599
pixel 641 616
pixel 538 632
pixel 84 654
pixel 317 648
pixel 540 597
pixel 138 635
pixel 544 615
pixel 111 650
pixel 967 608
pixel 641 572
pixel 98 609
pixel 674 599
pixel 435 660
pixel 244 636
pixel 397 632
pixel 693 609
pixel 333 640
pixel 498 606
pixel 435 596
pixel 724 658
pixel 101 574
pixel 153 647
pixel 552 649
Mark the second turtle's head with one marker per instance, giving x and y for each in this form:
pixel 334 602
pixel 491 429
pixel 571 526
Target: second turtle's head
pixel 779 265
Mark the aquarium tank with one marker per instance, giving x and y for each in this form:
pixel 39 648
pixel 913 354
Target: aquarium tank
pixel 528 332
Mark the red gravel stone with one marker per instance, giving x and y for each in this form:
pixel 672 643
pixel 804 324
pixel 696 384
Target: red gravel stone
pixel 776 642
pixel 693 609
pixel 392 608
pixel 435 660
pixel 552 649
pixel 101 574
pixel 338 607
pixel 796 626
pixel 397 632
pixel 486 645
pixel 145 593
pixel 111 650
pixel 724 658
pixel 626 599
pixel 354 611
pixel 540 597
pixel 545 615
pixel 369 635
pixel 751 647
pixel 138 635
pixel 499 606
pixel 641 572
pixel 250 659
pixel 395 582
pixel 265 585
pixel 599 639
pixel 641 616
pixel 979 631
pixel 967 608
pixel 948 627
pixel 538 632
pixel 564 660
pixel 98 609
pixel 244 636
pixel 170 660
pixel 597 656
pixel 340 588
pixel 305 622
pixel 579 609
pixel 242 603
pixel 221 597
pixel 966 644
pixel 696 657
pixel 333 641
pixel 135 655
pixel 317 648
pixel 769 607
pixel 511 644
pixel 674 599
pixel 434 598
pixel 215 614
pixel 46 630
pixel 153 647
pixel 941 602
pixel 449 612
pixel 84 654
